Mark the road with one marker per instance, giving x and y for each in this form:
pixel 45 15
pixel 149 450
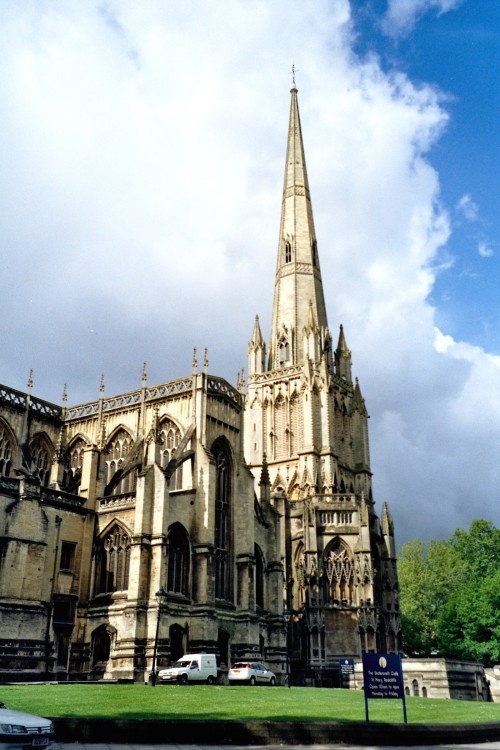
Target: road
pixel 104 746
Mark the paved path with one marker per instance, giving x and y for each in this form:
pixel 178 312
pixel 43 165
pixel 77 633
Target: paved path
pixel 104 746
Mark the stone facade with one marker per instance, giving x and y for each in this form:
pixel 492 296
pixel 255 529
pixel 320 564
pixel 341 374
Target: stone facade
pixel 194 516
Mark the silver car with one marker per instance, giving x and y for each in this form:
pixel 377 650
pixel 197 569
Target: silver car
pixel 251 672
pixel 19 730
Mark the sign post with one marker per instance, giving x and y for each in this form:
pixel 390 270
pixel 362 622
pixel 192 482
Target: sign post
pixel 383 678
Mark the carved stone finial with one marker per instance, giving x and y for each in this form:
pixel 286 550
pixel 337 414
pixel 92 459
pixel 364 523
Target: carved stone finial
pixel 30 382
pixel 144 376
pixel 195 361
pixel 101 386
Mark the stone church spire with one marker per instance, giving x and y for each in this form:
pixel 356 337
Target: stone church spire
pixel 298 295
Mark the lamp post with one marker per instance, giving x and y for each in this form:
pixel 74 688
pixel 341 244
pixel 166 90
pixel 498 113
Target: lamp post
pixel 287 616
pixel 152 677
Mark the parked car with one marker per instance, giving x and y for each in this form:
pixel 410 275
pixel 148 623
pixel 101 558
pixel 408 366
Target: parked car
pixel 19 730
pixel 252 672
pixel 191 668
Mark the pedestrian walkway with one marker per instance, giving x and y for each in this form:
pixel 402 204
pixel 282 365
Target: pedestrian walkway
pixel 121 746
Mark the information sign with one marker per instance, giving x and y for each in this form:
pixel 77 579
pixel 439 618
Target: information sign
pixel 346 666
pixel 383 678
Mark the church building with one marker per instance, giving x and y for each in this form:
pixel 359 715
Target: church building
pixel 194 516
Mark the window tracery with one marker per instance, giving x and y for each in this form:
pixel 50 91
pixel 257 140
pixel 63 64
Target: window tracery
pixel 118 448
pixel 112 560
pixel 178 560
pixel 41 459
pixel 222 520
pixel 6 452
pixel 73 465
pixel 171 438
pixel 338 567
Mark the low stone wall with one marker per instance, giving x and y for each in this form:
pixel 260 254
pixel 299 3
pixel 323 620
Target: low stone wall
pixel 440 678
pixel 209 732
pixel 493 677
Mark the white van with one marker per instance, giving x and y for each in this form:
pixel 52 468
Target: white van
pixel 191 668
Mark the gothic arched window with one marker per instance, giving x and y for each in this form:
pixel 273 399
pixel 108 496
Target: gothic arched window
pixel 178 560
pixel 41 459
pixel 259 577
pixel 117 449
pixel 339 572
pixel 112 560
pixel 280 423
pixel 73 465
pixel 295 423
pixel 222 540
pixel 300 578
pixel 6 451
pixel 283 352
pixel 171 438
pixel 288 252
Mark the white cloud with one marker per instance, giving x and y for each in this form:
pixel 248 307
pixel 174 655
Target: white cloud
pixel 468 207
pixel 484 250
pixel 143 153
pixel 402 15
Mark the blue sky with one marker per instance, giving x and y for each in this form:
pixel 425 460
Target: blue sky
pixel 142 157
pixel 459 52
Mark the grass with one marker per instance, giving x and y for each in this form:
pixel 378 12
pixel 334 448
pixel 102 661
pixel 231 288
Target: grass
pixel 238 703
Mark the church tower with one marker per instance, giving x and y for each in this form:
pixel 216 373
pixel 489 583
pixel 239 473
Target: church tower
pixel 306 425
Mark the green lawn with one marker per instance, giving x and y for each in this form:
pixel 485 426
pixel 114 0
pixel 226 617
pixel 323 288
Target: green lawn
pixel 237 703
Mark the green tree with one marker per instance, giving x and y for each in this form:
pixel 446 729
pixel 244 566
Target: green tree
pixel 478 548
pixel 450 594
pixel 427 573
pixel 468 626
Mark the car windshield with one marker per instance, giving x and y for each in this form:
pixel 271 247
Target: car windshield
pixel 182 663
pixel 241 665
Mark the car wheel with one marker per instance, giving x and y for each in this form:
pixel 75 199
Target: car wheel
pixel 252 680
pixel 183 679
pixel 210 679
pixel 272 681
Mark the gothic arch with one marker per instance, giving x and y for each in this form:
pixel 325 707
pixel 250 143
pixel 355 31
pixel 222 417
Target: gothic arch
pixel 178 641
pixel 101 644
pixel 171 435
pixel 221 452
pixel 8 449
pixel 299 573
pixel 280 426
pixel 338 569
pixel 259 577
pixel 112 559
pixel 42 452
pixel 118 445
pixel 179 558
pixel 73 463
pixel 296 425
